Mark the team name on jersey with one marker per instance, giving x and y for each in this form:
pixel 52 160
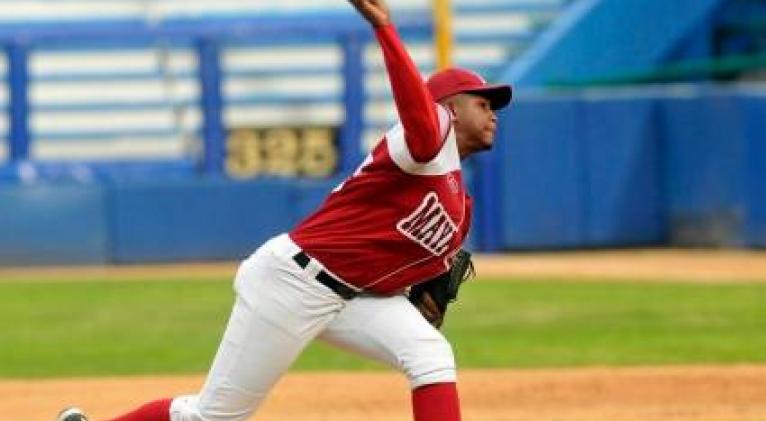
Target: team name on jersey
pixel 429 225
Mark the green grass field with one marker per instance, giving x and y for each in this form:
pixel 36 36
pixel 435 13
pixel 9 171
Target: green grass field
pixel 154 326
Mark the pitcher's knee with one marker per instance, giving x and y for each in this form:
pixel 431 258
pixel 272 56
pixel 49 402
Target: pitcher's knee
pixel 428 361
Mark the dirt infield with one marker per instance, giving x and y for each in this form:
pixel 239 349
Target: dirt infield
pixel 658 265
pixel 633 264
pixel 630 394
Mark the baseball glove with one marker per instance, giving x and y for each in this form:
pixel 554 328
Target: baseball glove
pixel 432 297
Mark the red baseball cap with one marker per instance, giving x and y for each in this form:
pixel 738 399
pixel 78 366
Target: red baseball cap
pixel 455 80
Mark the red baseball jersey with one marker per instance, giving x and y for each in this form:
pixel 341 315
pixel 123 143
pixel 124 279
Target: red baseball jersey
pixel 405 212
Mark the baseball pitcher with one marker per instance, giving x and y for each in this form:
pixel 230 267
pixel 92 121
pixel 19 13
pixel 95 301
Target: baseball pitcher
pixel 342 274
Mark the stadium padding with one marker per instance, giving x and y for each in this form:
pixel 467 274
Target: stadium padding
pixel 634 167
pixel 196 219
pixel 53 224
pixel 705 156
pixel 753 110
pixel 622 173
pixel 542 193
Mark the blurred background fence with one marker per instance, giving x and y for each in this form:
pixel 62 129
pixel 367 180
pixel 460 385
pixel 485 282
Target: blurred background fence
pixel 171 130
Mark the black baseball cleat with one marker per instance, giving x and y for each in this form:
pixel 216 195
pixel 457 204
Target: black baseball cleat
pixel 72 414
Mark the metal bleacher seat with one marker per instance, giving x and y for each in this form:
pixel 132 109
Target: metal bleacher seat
pixel 136 100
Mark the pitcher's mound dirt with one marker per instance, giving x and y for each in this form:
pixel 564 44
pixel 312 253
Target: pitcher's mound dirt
pixel 594 394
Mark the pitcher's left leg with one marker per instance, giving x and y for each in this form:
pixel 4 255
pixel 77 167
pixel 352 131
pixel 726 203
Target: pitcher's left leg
pixel 392 331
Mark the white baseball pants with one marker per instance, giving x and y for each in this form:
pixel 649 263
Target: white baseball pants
pixel 279 309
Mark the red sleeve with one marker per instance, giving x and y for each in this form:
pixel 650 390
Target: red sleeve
pixel 417 110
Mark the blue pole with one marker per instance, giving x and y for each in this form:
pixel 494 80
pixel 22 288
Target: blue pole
pixel 353 102
pixel 18 110
pixel 210 80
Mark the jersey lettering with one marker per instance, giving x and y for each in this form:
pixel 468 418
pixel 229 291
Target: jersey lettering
pixel 429 225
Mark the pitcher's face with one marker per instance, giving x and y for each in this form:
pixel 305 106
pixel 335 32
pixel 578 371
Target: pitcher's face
pixel 475 123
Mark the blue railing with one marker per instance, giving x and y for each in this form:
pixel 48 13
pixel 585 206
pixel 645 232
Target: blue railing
pixel 207 38
pixel 336 27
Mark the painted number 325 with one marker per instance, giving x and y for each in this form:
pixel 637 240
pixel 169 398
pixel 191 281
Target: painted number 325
pixel 308 152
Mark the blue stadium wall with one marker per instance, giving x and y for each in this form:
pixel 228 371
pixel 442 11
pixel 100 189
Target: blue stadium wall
pixel 680 166
pixel 588 169
pixel 148 221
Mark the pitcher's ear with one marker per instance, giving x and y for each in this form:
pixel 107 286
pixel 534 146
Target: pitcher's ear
pixel 452 110
pixel 448 104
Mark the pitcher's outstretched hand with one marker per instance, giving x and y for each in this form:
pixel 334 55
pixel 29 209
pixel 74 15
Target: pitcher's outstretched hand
pixel 375 11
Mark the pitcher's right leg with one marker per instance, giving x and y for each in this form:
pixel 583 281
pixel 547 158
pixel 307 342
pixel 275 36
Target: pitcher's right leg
pixel 279 309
